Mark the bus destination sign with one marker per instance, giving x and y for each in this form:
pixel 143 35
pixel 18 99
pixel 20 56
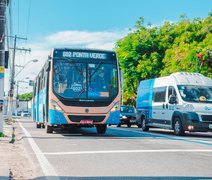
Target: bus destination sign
pixel 81 54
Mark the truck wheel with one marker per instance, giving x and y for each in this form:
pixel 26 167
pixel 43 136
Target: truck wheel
pixel 49 129
pixel 144 126
pixel 101 129
pixel 178 127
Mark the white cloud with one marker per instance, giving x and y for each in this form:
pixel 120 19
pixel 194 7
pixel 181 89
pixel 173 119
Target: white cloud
pixel 79 39
pixel 85 38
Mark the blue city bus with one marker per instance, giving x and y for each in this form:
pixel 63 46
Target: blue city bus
pixel 77 87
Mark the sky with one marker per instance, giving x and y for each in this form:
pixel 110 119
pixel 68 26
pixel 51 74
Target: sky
pixel 86 24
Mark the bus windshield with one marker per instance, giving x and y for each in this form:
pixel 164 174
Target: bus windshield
pixel 84 80
pixel 191 93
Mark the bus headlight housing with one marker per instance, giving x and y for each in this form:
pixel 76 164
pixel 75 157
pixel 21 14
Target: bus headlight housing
pixel 115 107
pixel 56 106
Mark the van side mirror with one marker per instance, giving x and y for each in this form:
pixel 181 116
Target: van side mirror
pixel 172 99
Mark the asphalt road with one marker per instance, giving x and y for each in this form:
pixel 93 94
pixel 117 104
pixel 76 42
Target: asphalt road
pixel 122 153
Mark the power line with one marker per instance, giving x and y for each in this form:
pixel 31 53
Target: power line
pixel 29 11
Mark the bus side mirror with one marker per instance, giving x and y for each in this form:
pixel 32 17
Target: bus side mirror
pixel 172 99
pixel 121 78
pixel 48 66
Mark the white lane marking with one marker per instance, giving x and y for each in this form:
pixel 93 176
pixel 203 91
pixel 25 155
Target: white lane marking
pixel 129 151
pixel 48 170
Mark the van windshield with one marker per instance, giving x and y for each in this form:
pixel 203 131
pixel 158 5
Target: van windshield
pixel 201 94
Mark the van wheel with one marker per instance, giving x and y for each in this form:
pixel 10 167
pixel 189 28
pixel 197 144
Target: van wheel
pixel 178 127
pixel 101 129
pixel 49 129
pixel 144 126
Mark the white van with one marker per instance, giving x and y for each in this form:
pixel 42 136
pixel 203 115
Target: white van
pixel 181 101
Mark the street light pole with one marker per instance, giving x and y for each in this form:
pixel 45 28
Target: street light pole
pixel 33 60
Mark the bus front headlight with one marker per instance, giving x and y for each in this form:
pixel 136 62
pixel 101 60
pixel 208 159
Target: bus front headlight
pixel 56 106
pixel 115 107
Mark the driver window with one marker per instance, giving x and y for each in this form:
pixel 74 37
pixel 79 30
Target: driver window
pixel 172 92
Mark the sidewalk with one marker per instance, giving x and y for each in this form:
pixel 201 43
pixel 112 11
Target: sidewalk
pixel 14 159
pixel 5 149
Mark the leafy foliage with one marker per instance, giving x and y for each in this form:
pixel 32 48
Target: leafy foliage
pixel 150 52
pixel 25 97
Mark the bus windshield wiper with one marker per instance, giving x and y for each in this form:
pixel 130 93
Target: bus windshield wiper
pixel 95 70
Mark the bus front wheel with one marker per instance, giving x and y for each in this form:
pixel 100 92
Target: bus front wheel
pixel 101 129
pixel 49 129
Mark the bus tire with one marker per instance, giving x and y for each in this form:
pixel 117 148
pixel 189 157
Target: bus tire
pixel 101 129
pixel 144 126
pixel 43 126
pixel 49 129
pixel 38 125
pixel 178 127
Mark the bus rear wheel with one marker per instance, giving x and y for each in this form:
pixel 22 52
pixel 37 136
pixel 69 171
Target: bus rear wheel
pixel 101 129
pixel 38 125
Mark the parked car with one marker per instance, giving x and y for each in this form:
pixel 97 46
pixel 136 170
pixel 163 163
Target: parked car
pixel 127 116
pixel 25 114
pixel 19 113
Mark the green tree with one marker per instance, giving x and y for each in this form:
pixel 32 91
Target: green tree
pixel 150 52
pixel 25 97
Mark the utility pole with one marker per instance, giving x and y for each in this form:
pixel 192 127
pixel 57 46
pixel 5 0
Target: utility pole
pixel 2 58
pixel 12 79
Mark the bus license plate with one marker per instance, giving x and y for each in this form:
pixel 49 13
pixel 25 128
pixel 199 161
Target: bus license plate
pixel 86 122
pixel 210 126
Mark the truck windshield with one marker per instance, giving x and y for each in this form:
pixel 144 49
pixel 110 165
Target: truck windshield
pixel 202 94
pixel 85 80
